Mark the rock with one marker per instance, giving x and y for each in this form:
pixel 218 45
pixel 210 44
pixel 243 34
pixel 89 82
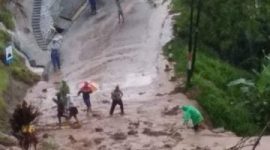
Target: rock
pixel 178 89
pixel 98 140
pixel 98 116
pixel 72 139
pixel 119 136
pixel 202 148
pixel 14 148
pixel 219 130
pixel 99 130
pixel 105 101
pixel 173 111
pixel 7 140
pixel 167 146
pixel 75 125
pixel 26 30
pixel 44 90
pixel 173 79
pixel 132 132
pixel 149 124
pixel 134 124
pixel 45 135
pixel 167 68
pixel 87 143
pixel 177 136
pixel 2 147
pixel 169 100
pixel 149 132
pixel 159 94
pixel 141 93
pixel 103 147
pixel 49 143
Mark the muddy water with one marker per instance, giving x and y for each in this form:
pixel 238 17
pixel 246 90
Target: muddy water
pixel 99 49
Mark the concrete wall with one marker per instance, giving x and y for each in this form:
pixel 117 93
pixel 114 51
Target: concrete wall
pixel 50 9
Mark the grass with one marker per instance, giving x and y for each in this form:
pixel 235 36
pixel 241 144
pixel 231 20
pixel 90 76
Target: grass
pixel 211 78
pixel 6 18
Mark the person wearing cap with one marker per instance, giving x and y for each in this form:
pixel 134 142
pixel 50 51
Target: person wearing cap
pixel 193 114
pixel 86 90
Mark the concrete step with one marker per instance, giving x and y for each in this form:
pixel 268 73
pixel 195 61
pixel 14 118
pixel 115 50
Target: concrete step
pixel 36 27
pixel 36 13
pixel 36 17
pixel 36 20
pixel 37 6
pixel 35 23
pixel 37 9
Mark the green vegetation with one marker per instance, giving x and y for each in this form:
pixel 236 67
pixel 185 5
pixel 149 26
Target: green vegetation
pixel 232 73
pixel 236 31
pixel 211 78
pixel 6 16
pixel 16 71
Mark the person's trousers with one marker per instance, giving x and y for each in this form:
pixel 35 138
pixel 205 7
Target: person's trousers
pixel 93 5
pixel 56 61
pixel 117 102
pixel 87 102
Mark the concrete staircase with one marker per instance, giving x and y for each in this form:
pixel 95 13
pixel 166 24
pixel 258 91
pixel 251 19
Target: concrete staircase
pixel 37 4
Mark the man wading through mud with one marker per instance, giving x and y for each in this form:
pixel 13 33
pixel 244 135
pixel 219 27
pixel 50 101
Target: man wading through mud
pixel 60 102
pixel 86 90
pixel 120 11
pixel 116 96
pixel 93 7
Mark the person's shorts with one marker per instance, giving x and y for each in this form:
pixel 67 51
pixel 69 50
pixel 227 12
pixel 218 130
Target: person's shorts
pixel 60 111
pixel 196 127
pixel 73 111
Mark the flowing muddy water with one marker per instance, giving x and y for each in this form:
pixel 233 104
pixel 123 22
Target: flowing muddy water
pixel 97 48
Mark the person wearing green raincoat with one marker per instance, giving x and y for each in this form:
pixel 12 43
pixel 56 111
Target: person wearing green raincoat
pixel 192 113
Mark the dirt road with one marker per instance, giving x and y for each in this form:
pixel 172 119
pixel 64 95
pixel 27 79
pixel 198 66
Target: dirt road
pixel 97 48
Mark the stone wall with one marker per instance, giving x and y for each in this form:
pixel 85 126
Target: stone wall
pixel 50 9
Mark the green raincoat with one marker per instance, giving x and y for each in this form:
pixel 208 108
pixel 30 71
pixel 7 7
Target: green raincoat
pixel 190 112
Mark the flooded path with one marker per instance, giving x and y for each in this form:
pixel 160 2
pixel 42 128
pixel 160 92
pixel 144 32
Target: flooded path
pixel 99 49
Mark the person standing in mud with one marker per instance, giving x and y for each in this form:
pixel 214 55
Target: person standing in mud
pixel 116 96
pixel 120 11
pixel 93 7
pixel 86 90
pixel 55 55
pixel 60 102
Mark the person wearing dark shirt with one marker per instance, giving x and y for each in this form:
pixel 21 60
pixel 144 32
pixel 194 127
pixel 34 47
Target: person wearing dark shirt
pixel 116 96
pixel 59 100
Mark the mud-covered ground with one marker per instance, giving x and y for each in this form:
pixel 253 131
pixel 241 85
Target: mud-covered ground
pixel 97 48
